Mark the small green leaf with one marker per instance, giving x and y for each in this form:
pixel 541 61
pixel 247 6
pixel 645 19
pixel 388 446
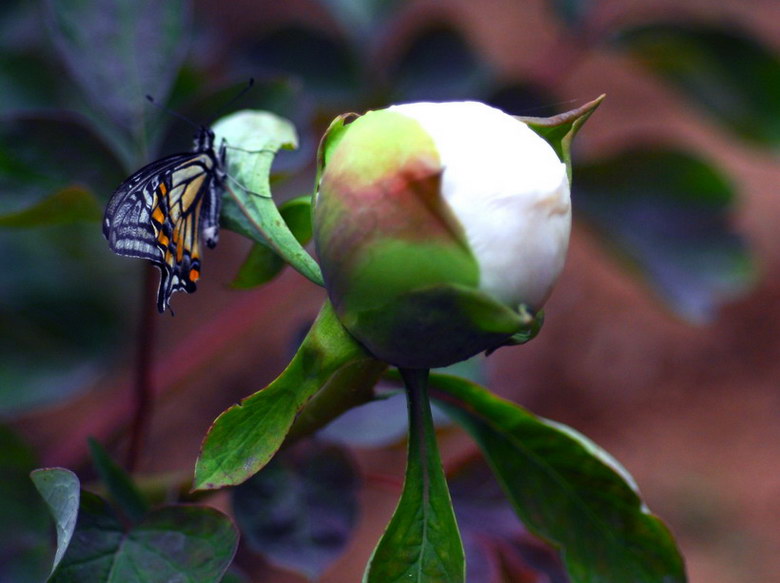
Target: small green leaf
pixel 300 509
pixel 60 490
pixel 66 206
pixel 260 266
pixel 669 213
pixel 728 74
pixel 296 213
pixel 263 264
pixel 559 130
pixel 253 139
pixel 244 438
pixel 421 544
pixel 566 490
pixel 120 485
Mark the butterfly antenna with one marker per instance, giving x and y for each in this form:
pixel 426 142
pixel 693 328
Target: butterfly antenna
pixel 235 98
pixel 175 114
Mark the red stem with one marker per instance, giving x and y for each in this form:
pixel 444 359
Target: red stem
pixel 142 381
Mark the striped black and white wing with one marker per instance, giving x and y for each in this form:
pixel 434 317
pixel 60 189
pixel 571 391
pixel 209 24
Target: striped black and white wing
pixel 160 213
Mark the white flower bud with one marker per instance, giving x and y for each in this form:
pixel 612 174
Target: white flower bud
pixel 442 227
pixel 510 192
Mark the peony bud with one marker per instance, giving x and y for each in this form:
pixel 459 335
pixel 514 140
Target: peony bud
pixel 440 228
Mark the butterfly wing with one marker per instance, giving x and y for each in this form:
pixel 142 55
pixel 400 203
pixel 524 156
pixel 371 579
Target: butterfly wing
pixel 159 213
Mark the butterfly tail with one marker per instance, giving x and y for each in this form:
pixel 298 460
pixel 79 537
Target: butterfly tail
pixel 165 290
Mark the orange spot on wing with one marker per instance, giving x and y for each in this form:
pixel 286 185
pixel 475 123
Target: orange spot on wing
pixel 194 275
pixel 163 239
pixel 158 215
pixel 163 189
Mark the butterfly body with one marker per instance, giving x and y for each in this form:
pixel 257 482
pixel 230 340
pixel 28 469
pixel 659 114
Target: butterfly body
pixel 164 210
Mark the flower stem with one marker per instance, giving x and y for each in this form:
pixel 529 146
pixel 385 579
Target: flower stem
pixel 419 405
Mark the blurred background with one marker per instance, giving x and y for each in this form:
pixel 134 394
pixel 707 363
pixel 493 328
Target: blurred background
pixel 661 340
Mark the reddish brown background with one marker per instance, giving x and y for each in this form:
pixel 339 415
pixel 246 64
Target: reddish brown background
pixel 692 412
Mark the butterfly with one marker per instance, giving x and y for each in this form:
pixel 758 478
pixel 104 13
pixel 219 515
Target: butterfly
pixel 164 210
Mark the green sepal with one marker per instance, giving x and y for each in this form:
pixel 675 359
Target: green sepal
pixel 559 130
pixel 437 325
pixel 532 325
pixel 330 139
pixel 253 138
pixel 246 436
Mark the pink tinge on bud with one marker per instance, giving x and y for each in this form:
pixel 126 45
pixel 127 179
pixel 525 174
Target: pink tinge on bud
pixel 438 226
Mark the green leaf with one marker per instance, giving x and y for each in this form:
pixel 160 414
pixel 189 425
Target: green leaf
pixel 726 73
pixel 299 510
pixel 296 213
pixel 260 266
pixel 121 487
pixel 173 543
pixel 25 537
pixel 253 139
pixel 566 490
pixel 60 490
pixel 421 544
pixel 244 438
pixel 669 213
pixel 118 51
pixel 66 206
pixel 559 130
pixel 263 264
